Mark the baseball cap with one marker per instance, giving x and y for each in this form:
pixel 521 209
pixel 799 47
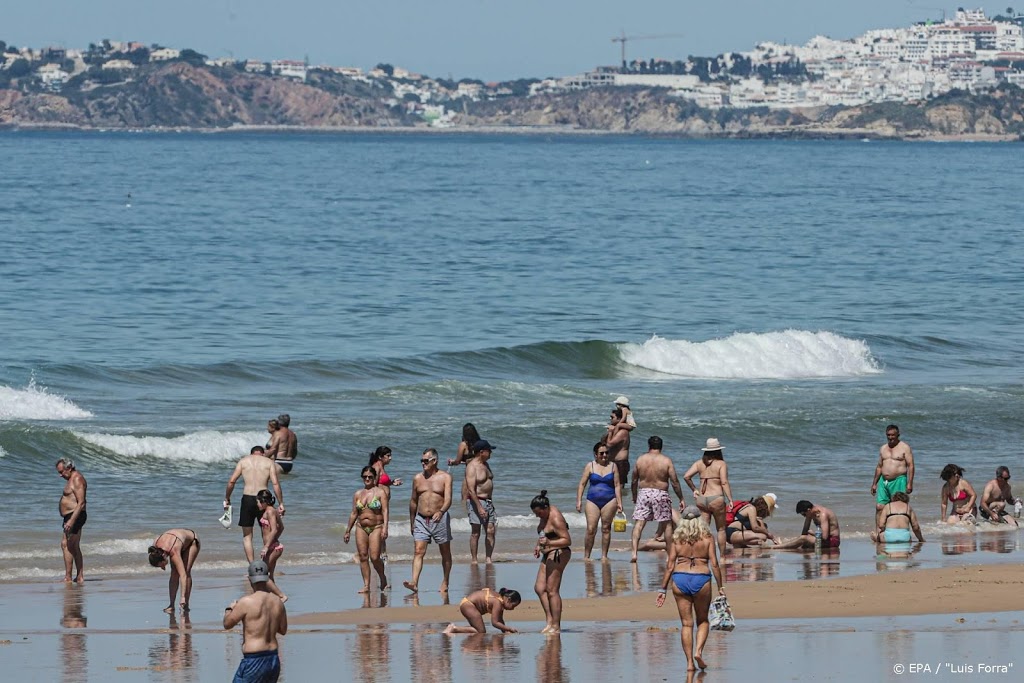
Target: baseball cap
pixel 258 572
pixel 482 445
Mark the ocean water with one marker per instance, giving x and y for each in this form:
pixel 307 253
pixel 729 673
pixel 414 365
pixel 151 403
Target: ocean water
pixel 165 294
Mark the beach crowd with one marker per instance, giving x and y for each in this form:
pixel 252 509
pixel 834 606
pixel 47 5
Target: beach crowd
pixel 695 553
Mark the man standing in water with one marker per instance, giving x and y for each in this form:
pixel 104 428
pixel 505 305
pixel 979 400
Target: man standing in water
pixel 895 469
pixel 429 519
pixel 263 619
pixel 479 487
pixel 651 476
pixel 72 509
pixel 257 472
pixel 622 423
pixel 290 444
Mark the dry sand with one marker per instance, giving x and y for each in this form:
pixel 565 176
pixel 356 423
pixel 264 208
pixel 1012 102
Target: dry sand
pixel 953 590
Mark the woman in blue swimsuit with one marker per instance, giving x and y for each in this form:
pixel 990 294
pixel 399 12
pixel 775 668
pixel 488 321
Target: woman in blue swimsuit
pixel 692 559
pixel 604 498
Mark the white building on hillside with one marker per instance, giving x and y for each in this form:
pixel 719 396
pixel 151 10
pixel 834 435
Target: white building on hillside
pixel 52 76
pixel 119 64
pixel 289 68
pixel 164 54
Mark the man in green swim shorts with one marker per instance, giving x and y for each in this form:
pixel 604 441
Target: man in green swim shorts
pixel 895 469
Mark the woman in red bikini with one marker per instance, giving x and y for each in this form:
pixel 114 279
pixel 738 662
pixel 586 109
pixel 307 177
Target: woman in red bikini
pixel 959 493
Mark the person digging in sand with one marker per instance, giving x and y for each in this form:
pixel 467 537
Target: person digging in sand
pixel 180 548
pixel 486 601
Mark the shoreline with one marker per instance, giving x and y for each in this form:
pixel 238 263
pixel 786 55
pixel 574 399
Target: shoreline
pixel 794 134
pixel 977 589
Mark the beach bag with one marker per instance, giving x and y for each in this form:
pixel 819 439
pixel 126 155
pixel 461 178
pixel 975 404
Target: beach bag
pixel 619 523
pixel 720 615
pixel 730 512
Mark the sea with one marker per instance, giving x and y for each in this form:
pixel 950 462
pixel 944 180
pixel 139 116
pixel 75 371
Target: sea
pixel 165 294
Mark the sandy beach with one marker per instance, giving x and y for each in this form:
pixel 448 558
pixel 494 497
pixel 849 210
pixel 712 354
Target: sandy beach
pixel 847 627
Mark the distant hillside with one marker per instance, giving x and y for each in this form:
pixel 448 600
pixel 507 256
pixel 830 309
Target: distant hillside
pixel 184 95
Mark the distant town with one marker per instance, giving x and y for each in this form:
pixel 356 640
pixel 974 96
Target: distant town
pixel 968 51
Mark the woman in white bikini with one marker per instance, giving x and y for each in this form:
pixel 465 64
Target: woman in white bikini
pixel 180 548
pixel 715 494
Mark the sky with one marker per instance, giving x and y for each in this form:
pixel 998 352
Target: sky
pixel 482 39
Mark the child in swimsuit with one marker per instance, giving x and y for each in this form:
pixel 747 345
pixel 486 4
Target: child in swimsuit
pixel 271 526
pixel 487 601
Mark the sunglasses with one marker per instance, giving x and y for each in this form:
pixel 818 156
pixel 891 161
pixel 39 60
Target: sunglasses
pixel 427 461
pixel 370 477
pixel 602 452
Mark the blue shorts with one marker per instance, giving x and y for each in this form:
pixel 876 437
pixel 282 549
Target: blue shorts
pixel 690 584
pixel 258 667
pixel 896 535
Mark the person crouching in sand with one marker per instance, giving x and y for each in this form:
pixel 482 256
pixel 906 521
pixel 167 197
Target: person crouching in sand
pixel 180 548
pixel 692 558
pixel 486 601
pixel 271 527
pixel 263 619
pixel 896 520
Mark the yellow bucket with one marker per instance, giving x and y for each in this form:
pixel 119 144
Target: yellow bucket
pixel 619 523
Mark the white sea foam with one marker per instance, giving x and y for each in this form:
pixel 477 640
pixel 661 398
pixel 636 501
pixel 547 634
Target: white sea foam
pixel 3 453
pixel 791 354
pixel 37 403
pixel 206 446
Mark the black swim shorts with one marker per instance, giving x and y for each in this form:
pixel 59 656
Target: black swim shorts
pixel 250 512
pixel 79 523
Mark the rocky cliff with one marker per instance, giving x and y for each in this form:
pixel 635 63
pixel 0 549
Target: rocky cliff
pixel 183 95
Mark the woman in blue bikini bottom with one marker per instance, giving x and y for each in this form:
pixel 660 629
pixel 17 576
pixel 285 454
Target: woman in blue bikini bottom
pixel 692 559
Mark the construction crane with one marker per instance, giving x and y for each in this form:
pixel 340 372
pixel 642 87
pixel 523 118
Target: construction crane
pixel 623 38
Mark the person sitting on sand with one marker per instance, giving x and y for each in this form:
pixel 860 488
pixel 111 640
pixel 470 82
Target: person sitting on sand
pixel 895 520
pixel 554 546
pixel 824 518
pixel 180 548
pixel 486 601
pixel 271 527
pixel 692 559
pixel 959 493
pixel 370 511
pixel 746 526
pixel 263 619
pixel 996 497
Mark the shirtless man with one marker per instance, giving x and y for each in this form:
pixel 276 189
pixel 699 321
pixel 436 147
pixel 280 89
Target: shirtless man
pixel 996 497
pixel 256 470
pixel 286 453
pixel 263 619
pixel 895 469
pixel 651 476
pixel 72 509
pixel 619 427
pixel 478 487
pixel 822 517
pixel 429 519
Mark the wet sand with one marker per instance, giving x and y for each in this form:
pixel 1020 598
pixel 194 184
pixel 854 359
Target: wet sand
pixel 843 628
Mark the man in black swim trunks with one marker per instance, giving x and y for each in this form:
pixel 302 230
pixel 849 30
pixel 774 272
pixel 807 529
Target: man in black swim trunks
pixel 72 509
pixel 258 472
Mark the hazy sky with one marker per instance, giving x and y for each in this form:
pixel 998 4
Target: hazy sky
pixel 460 38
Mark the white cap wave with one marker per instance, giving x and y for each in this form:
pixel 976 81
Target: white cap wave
pixel 206 446
pixel 790 354
pixel 37 403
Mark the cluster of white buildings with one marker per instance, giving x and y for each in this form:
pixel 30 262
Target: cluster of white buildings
pixel 968 51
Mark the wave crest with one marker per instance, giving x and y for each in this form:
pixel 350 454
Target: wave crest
pixel 36 403
pixel 206 447
pixel 790 354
